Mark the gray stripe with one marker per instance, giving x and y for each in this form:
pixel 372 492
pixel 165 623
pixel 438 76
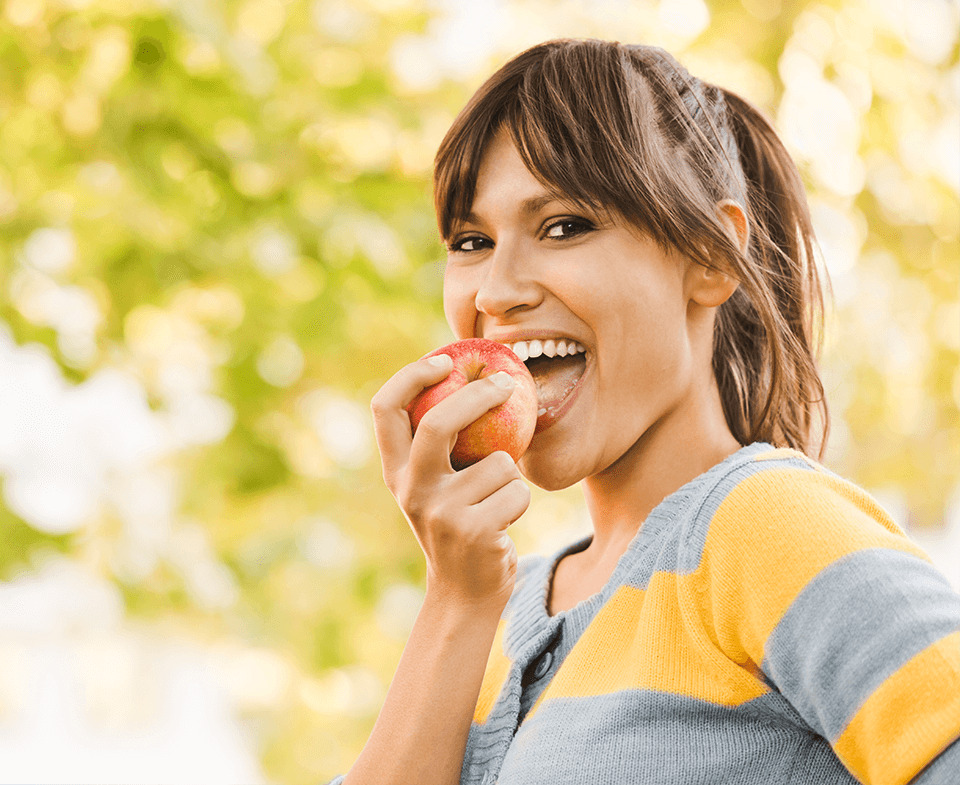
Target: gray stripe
pixel 642 736
pixel 856 623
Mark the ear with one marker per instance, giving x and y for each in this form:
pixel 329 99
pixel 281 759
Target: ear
pixel 708 287
pixel 712 288
pixel 734 218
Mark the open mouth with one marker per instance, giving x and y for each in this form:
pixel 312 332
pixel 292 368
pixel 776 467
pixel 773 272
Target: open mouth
pixel 556 375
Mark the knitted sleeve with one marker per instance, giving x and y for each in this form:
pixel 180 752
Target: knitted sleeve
pixel 806 579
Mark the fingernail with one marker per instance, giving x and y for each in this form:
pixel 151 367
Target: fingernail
pixel 440 360
pixel 503 380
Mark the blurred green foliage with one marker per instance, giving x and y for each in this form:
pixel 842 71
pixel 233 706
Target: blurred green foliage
pixel 246 189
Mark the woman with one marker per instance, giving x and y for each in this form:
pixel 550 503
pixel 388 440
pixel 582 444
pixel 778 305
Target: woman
pixel 740 614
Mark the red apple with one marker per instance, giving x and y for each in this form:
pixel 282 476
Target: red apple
pixel 507 427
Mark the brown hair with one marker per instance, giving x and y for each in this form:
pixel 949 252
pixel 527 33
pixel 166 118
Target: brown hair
pixel 626 129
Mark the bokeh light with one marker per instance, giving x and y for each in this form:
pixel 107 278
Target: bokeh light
pixel 217 242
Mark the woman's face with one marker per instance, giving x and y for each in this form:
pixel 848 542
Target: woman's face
pixel 524 266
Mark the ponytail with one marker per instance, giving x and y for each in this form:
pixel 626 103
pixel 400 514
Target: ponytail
pixel 770 332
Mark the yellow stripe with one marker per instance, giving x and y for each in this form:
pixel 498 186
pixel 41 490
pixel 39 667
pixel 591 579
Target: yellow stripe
pixel 498 666
pixel 639 640
pixel 760 538
pixel 907 720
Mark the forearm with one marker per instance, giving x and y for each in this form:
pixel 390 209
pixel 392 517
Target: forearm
pixel 421 732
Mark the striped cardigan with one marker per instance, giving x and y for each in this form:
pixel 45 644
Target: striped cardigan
pixel 769 624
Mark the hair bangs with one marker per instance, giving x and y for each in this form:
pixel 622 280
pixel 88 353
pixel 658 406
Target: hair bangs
pixel 575 148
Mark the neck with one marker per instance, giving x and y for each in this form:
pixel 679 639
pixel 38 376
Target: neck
pixel 672 452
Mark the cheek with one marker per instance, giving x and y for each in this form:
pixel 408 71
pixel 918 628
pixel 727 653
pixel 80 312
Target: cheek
pixel 642 345
pixel 459 304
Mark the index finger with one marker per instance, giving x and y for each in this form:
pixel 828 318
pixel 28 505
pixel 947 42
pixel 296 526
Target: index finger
pixel 440 427
pixel 391 423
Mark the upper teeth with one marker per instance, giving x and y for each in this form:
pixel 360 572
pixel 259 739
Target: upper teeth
pixel 552 347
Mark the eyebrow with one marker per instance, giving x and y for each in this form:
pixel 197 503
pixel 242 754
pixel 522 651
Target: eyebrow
pixel 528 207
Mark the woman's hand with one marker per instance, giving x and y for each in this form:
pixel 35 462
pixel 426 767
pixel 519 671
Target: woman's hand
pixel 460 518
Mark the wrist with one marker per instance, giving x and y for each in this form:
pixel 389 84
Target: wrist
pixel 451 606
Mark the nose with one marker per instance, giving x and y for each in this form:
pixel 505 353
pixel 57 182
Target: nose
pixel 507 285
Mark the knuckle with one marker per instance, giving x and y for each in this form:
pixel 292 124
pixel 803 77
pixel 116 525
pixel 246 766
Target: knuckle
pixel 430 427
pixel 442 524
pixel 406 498
pixel 521 489
pixel 377 405
pixel 429 509
pixel 436 511
pixel 388 478
pixel 418 503
pixel 503 462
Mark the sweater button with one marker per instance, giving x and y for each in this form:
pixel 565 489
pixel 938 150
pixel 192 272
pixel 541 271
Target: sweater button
pixel 543 666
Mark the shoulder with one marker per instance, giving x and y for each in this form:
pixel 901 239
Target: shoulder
pixel 772 524
pixel 781 533
pixel 782 502
pixel 804 575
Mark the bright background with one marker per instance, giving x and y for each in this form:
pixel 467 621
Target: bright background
pixel 217 242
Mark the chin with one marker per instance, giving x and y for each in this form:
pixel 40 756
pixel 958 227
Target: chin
pixel 547 474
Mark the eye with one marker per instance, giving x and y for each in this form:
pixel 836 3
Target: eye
pixel 567 228
pixel 465 244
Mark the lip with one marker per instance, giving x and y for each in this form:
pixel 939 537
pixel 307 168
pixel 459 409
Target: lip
pixel 551 417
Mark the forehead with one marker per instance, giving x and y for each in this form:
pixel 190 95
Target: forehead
pixel 502 173
pixel 505 183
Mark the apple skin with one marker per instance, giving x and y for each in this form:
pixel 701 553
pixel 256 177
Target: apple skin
pixel 507 427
